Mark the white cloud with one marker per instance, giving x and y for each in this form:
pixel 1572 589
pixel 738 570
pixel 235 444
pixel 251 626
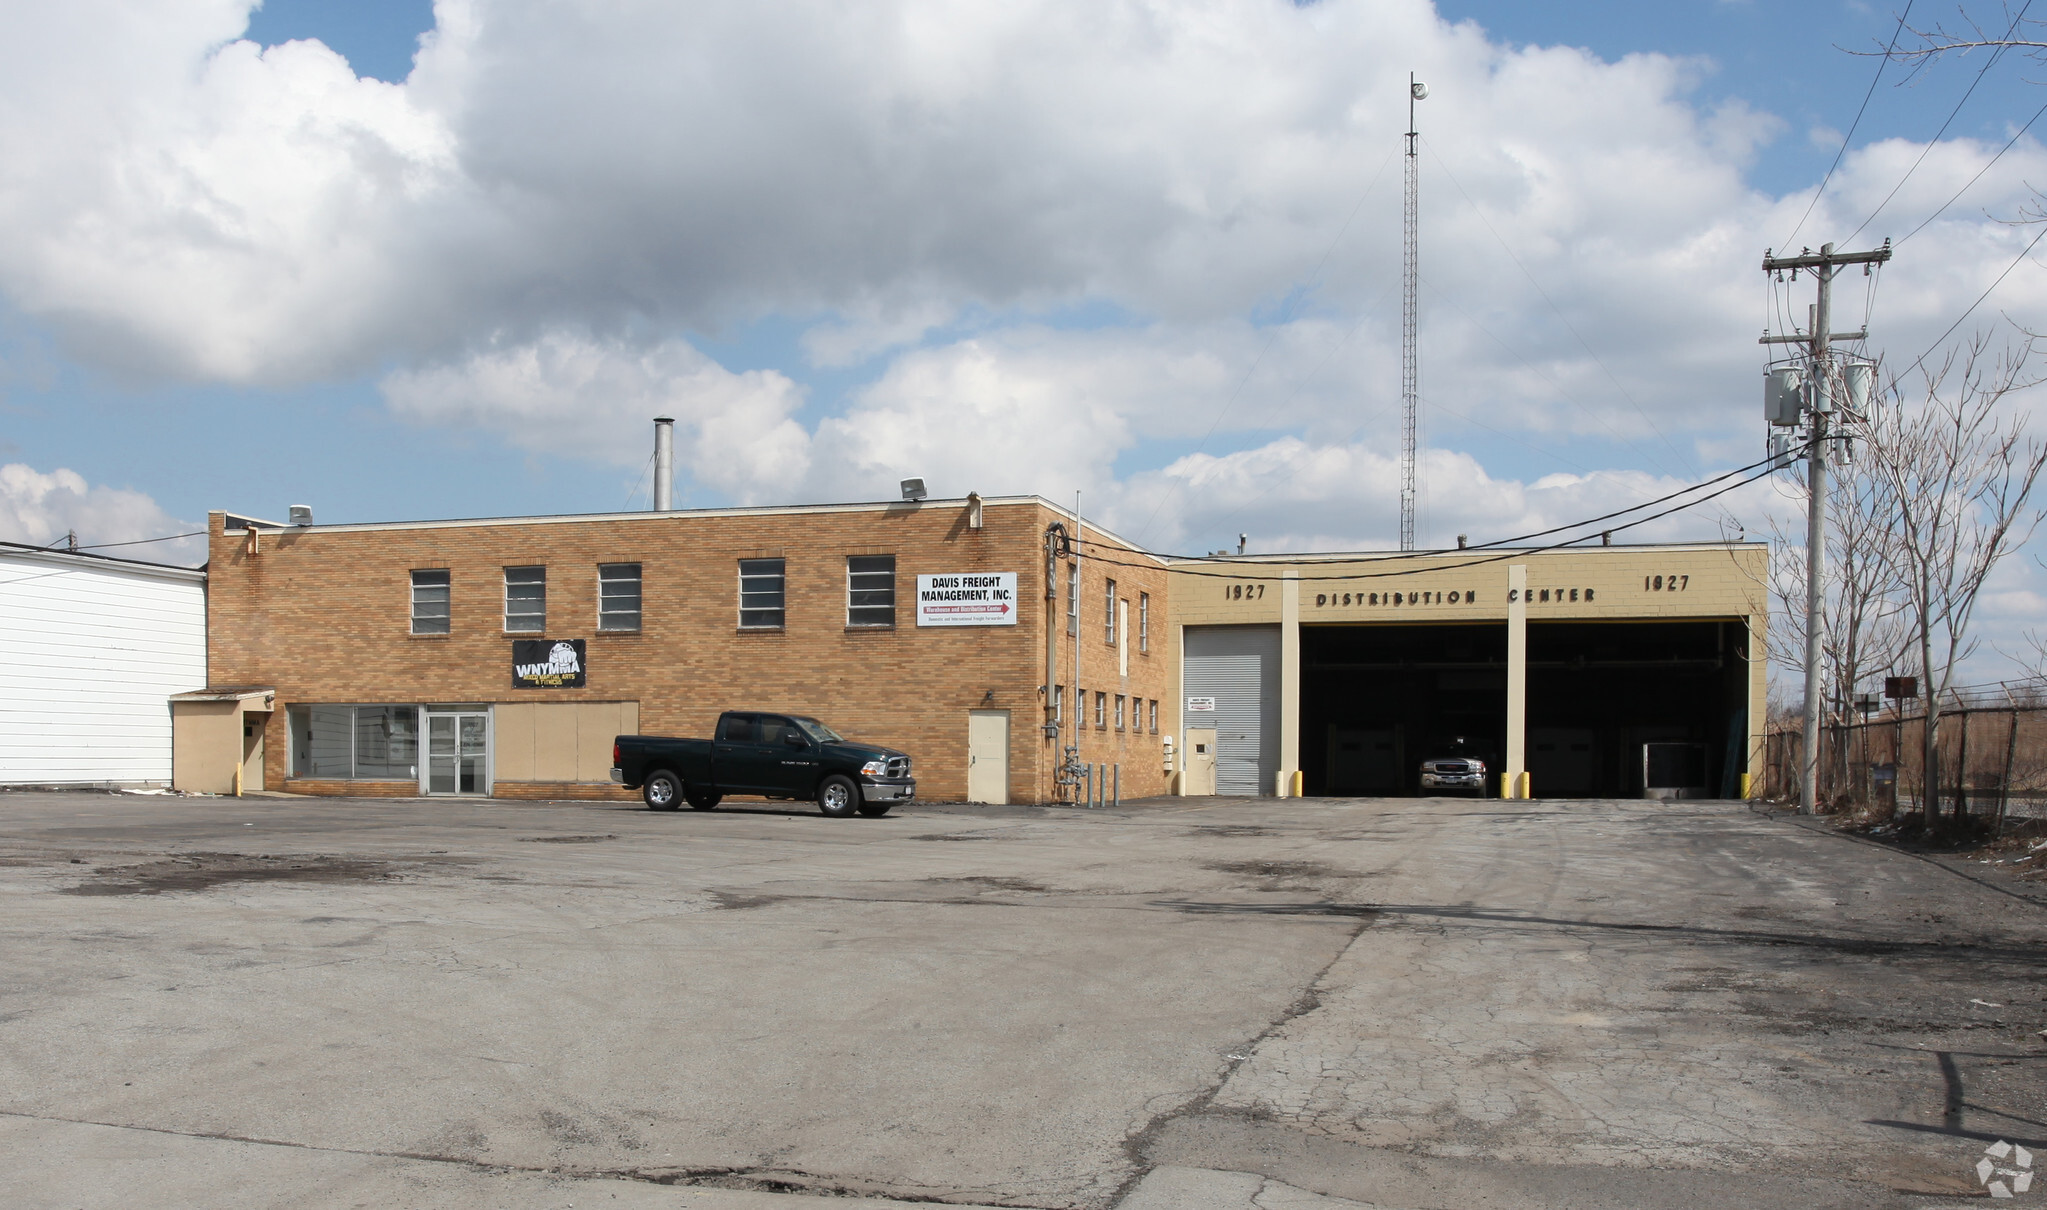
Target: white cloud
pixel 39 508
pixel 578 396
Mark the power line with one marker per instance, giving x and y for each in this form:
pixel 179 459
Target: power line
pixel 197 533
pixel 1846 138
pixel 1768 462
pixel 1518 552
pixel 1930 144
pixel 1917 361
pixel 1979 175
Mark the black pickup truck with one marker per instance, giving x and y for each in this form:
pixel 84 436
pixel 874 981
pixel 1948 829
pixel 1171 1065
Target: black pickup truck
pixel 773 755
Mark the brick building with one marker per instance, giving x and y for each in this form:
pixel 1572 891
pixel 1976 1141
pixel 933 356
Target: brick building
pixel 388 651
pixel 500 656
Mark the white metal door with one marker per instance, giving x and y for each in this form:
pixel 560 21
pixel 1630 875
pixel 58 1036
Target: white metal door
pixel 1200 761
pixel 458 753
pixel 988 756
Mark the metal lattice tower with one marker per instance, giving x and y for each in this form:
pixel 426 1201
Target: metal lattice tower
pixel 1410 284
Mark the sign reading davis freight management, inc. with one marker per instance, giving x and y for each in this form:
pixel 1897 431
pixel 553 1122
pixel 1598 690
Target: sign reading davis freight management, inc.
pixel 547 664
pixel 975 598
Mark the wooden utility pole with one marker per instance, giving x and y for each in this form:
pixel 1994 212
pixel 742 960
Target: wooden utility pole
pixel 1823 391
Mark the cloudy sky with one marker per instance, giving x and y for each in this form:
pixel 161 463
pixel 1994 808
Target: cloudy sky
pixel 395 259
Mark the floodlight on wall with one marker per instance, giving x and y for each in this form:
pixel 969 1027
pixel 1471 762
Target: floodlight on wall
pixel 301 514
pixel 913 489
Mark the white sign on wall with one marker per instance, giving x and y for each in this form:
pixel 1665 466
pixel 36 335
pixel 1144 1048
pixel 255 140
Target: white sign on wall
pixel 968 598
pixel 1201 705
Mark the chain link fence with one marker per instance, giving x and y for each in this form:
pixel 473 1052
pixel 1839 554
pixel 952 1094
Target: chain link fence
pixel 1990 761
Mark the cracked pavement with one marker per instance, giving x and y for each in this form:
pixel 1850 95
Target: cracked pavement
pixel 1257 1004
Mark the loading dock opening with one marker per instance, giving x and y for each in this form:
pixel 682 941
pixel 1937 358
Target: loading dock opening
pixel 1377 699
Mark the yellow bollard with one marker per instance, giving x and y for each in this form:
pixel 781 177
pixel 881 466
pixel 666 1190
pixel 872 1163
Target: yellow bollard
pixel 1299 781
pixel 1524 786
pixel 1744 785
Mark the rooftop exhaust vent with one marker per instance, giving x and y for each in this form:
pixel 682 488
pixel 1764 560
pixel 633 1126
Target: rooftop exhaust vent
pixel 913 489
pixel 301 514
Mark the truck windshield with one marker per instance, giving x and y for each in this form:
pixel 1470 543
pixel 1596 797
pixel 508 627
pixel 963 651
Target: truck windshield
pixel 816 730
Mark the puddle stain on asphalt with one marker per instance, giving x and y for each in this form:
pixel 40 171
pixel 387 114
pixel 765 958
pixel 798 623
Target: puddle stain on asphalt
pixel 203 871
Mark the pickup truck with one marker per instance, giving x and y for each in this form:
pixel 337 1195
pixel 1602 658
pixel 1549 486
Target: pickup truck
pixel 772 755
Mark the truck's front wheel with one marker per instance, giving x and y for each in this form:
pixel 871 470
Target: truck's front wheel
pixel 662 790
pixel 837 796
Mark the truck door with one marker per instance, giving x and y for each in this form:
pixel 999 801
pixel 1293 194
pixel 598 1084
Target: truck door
pixel 790 761
pixel 736 761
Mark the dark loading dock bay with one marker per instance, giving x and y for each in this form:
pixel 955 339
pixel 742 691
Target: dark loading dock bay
pixel 1376 700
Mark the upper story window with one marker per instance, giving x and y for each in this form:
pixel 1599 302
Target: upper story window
pixel 430 601
pixel 1073 599
pixel 1119 712
pixel 762 597
pixel 1143 622
pixel 525 599
pixel 618 596
pixel 1109 611
pixel 870 590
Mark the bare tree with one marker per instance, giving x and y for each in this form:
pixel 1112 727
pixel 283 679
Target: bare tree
pixel 1959 471
pixel 1918 46
pixel 1864 627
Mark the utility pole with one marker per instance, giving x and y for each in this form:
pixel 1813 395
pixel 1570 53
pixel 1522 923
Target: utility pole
pixel 1824 392
pixel 1410 294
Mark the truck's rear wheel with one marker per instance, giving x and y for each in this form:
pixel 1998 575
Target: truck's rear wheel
pixel 702 800
pixel 662 790
pixel 838 797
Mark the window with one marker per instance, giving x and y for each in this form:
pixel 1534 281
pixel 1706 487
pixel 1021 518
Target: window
pixel 430 601
pixel 1119 712
pixel 1109 611
pixel 761 594
pixel 1073 600
pixel 1154 716
pixel 526 599
pixel 1143 622
pixel 738 729
pixel 618 596
pixel 1058 703
pixel 1101 711
pixel 359 743
pixel 870 590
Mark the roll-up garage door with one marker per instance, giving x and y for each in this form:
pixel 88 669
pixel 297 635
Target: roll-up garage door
pixel 1238 666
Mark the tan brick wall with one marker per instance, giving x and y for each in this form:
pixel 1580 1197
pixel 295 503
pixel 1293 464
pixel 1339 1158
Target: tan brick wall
pixel 323 614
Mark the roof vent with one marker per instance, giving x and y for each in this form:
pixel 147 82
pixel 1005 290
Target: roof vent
pixel 301 514
pixel 913 489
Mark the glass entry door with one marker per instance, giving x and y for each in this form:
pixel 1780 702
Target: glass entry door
pixel 458 752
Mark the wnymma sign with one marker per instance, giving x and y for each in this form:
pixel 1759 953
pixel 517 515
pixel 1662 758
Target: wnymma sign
pixel 977 598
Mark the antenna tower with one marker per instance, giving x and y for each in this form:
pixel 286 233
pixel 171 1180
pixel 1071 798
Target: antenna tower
pixel 1410 283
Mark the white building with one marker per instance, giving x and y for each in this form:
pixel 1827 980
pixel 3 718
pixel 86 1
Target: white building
pixel 95 648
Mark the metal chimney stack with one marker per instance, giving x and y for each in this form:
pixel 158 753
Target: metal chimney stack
pixel 664 463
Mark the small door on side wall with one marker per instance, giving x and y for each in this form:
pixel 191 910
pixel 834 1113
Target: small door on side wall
pixel 1199 779
pixel 988 756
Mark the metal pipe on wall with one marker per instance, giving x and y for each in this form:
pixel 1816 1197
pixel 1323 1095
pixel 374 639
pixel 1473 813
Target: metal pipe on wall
pixel 664 463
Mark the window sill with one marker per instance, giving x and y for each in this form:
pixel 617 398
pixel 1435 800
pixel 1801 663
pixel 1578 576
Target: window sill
pixel 850 628
pixel 617 634
pixel 760 629
pixel 435 637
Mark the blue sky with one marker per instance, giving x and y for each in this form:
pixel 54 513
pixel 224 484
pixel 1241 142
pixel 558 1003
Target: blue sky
pixel 1151 254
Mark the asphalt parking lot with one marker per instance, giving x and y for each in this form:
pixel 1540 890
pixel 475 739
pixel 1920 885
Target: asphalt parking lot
pixel 1181 1003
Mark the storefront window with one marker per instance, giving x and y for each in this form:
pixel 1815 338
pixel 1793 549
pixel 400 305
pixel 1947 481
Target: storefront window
pixel 361 743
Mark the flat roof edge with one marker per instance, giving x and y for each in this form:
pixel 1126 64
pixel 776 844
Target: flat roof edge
pixel 84 558
pixel 749 510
